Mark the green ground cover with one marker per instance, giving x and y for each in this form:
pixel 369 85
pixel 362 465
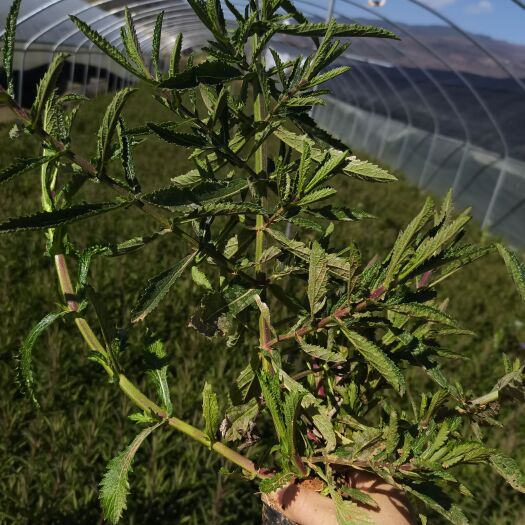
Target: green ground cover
pixel 51 461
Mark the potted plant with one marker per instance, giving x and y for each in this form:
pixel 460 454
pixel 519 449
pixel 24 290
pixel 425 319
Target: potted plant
pixel 331 341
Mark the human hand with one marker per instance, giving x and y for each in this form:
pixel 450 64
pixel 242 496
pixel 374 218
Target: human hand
pixel 305 506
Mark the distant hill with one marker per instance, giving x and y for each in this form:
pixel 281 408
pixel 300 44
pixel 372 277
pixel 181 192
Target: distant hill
pixel 446 42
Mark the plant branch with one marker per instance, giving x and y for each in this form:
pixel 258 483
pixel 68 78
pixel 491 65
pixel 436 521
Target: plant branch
pixel 130 390
pixel 341 313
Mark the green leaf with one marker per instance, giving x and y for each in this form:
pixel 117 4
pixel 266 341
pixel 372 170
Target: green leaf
pixel 52 219
pixel 317 278
pixel 316 195
pixel 453 513
pixel 271 392
pixel 208 72
pixel 515 266
pixel 210 410
pixel 21 166
pixel 326 170
pixel 336 213
pixel 126 156
pixel 114 487
pixel 324 424
pixel 422 311
pixel 110 50
pixel 430 246
pixel 46 87
pixel 175 56
pixel 109 124
pixel 155 47
pixel 9 45
pixel 391 433
pixel 318 352
pixel 132 44
pixel 158 287
pixel 276 482
pixel 187 140
pixel 25 354
pixel 509 469
pixel 404 239
pixel 365 170
pixel 360 497
pixel 207 192
pixel 306 223
pixel 157 373
pixel 326 76
pixel 200 279
pixel 348 513
pixel 239 419
pixel 376 358
pixel 320 29
pixel 336 265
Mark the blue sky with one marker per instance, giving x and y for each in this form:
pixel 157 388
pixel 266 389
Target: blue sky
pixel 501 19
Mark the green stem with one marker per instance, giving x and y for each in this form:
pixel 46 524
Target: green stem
pixel 260 169
pixel 130 390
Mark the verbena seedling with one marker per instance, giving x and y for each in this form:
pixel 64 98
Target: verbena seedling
pixel 329 339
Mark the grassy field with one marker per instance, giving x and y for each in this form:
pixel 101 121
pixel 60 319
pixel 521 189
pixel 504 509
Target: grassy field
pixel 51 461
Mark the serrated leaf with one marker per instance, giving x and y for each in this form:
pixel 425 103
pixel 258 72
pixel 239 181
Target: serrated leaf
pixel 317 278
pixel 207 72
pixel 107 48
pixel 323 423
pixel 422 311
pixel 515 266
pixel 271 392
pixel 320 29
pixel 365 170
pixel 276 482
pixel 187 140
pixel 126 156
pixel 239 419
pixel 391 434
pixel 430 246
pixel 318 352
pixel 336 265
pixel 141 418
pixel 114 487
pixel 508 469
pixel 157 373
pixel 316 195
pixel 175 56
pixel 336 213
pixel 158 287
pixel 376 358
pixel 326 170
pixel 349 513
pixel 207 192
pixel 108 126
pixel 9 45
pixel 210 410
pixel 131 42
pixel 52 219
pixel 46 86
pixel 25 354
pixel 200 279
pixel 240 301
pixel 453 513
pixel 405 237
pixel 155 47
pixel 21 166
pixel 326 76
pixel 360 497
